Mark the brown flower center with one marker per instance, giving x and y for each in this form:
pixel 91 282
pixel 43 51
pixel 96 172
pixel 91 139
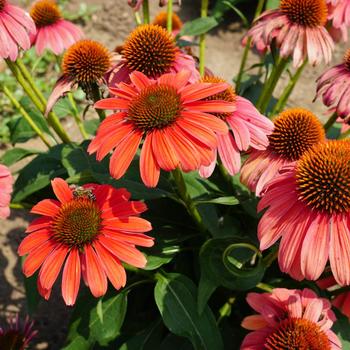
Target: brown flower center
pixel 78 222
pixel 2 4
pixel 228 95
pixel 155 107
pixel 45 12
pixel 323 177
pixel 308 13
pixel 298 334
pixel 162 17
pixel 86 62
pixel 149 49
pixel 295 131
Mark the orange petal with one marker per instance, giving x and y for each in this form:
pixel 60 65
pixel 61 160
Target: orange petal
pixel 47 207
pixel 112 266
pixel 112 103
pixel 132 238
pixel 140 80
pixel 61 190
pixel 32 241
pixel 124 154
pixel 39 223
pixel 95 275
pixel 71 277
pixel 52 266
pixel 131 224
pixel 149 169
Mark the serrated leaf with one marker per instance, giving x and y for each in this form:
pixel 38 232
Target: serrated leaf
pixel 198 26
pixel 175 296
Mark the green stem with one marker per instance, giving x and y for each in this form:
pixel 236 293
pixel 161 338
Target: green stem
pixel 265 287
pixel 288 90
pixel 145 10
pixel 96 96
pixel 26 116
pixel 76 116
pixel 187 200
pixel 137 18
pixel 258 11
pixel 27 82
pixel 225 310
pixel 204 14
pixel 20 206
pixel 270 258
pixel 270 85
pixel 344 135
pixel 330 121
pixel 169 22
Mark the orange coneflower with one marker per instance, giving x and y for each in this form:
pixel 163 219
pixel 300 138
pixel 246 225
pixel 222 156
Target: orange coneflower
pixel 88 231
pixel 177 126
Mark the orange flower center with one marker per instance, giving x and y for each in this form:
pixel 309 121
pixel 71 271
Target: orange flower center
pixel 45 12
pixel 78 222
pixel 86 62
pixel 228 95
pixel 2 4
pixel 149 49
pixel 308 13
pixel 161 20
pixel 155 107
pixel 323 177
pixel 295 131
pixel 347 59
pixel 297 333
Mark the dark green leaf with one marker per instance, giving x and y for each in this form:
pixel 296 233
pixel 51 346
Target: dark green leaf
pixel 14 155
pixel 175 296
pixel 198 26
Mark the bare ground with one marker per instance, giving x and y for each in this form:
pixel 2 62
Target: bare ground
pixel 110 24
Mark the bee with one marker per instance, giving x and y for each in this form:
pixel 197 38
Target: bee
pixel 80 191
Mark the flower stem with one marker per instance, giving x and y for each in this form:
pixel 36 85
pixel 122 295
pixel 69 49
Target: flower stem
pixel 137 18
pixel 288 90
pixel 26 81
pixel 204 14
pixel 270 85
pixel 187 200
pixel 145 10
pixel 76 116
pixel 258 11
pixel 330 121
pixel 96 96
pixel 344 135
pixel 169 21
pixel 26 116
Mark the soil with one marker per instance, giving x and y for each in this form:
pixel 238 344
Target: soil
pixel 110 24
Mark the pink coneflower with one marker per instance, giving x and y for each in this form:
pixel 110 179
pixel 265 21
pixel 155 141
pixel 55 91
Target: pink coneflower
pixel 53 32
pixel 290 319
pixel 339 12
pixel 295 131
pixel 151 50
pixel 248 129
pixel 88 231
pixel 297 28
pixel 17 335
pixel 6 182
pixel 15 28
pixel 178 128
pixel 334 87
pixel 308 206
pixel 341 300
pixel 84 64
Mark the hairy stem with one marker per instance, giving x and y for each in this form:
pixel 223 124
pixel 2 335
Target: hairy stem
pixel 204 14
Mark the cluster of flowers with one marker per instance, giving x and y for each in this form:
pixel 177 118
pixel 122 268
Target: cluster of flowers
pixel 178 119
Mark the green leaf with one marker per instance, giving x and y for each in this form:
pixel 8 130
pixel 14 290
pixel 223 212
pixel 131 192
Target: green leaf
pixel 175 296
pixel 198 26
pixel 229 200
pixel 38 173
pixel 32 295
pixel 98 320
pixel 341 329
pixel 14 155
pixel 226 262
pixel 79 343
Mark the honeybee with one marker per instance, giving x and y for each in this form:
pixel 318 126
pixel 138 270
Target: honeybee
pixel 80 191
